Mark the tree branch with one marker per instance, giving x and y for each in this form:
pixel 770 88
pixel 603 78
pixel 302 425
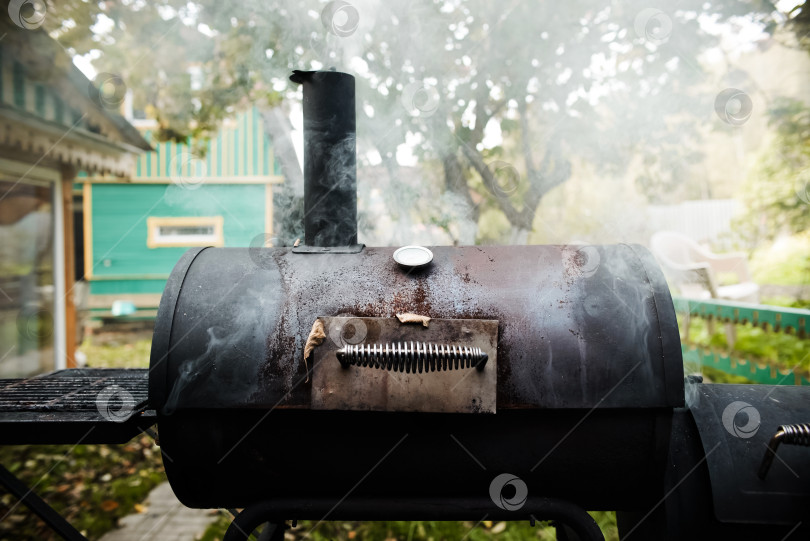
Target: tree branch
pixel 553 171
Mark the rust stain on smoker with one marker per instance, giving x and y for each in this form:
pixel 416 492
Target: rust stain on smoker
pixel 370 284
pixel 566 337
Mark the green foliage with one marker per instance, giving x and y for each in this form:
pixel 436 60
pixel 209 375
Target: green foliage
pixel 713 375
pixel 786 262
pixel 789 302
pixel 777 193
pixel 799 24
pixel 753 343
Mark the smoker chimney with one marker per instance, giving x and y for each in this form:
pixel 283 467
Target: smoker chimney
pixel 330 168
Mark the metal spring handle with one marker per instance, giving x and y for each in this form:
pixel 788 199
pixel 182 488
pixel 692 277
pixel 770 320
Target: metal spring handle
pixel 797 434
pixel 412 356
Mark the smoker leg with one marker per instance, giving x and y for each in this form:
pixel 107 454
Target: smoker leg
pixel 248 520
pixel 272 532
pixel 39 507
pixel 564 533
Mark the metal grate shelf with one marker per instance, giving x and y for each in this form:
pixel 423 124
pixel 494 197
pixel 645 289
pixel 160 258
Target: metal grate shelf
pixel 63 406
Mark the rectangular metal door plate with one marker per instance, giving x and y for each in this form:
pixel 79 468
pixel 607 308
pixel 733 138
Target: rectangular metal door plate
pixel 463 390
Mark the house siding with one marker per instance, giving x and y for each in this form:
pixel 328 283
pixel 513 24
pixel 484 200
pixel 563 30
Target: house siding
pixel 123 263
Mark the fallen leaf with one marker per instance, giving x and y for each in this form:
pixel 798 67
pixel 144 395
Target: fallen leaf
pixel 499 527
pixel 139 508
pixel 109 505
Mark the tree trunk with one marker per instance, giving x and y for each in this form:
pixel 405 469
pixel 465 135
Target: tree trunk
pixel 277 126
pixel 289 196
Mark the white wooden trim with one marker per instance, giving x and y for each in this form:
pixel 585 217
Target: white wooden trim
pixel 71 145
pixel 266 179
pixel 268 210
pixel 59 290
pixel 27 173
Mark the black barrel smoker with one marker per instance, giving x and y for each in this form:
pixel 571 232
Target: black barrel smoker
pixel 546 381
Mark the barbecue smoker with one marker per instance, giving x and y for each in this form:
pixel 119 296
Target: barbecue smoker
pixel 559 366
pixel 491 383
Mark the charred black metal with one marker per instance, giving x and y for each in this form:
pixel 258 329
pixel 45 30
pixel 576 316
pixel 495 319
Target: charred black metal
pixel 330 170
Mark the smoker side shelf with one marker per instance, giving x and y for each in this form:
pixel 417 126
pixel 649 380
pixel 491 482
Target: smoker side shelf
pixel 96 405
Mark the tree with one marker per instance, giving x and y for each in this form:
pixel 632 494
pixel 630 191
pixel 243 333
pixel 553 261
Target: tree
pixel 777 194
pixel 560 81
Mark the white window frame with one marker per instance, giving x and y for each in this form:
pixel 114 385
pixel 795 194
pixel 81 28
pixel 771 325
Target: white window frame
pixel 26 174
pixel 154 239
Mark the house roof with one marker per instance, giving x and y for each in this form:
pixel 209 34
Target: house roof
pixel 42 89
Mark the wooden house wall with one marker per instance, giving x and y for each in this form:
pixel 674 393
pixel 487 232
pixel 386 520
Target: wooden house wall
pixel 122 263
pixel 241 150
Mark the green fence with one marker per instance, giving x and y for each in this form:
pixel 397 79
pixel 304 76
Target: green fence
pixel 769 318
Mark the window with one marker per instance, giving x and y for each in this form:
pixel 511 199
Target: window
pixel 27 301
pixel 184 231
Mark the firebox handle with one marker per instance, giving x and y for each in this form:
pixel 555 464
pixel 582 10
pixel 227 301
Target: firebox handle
pixel 412 356
pixel 796 434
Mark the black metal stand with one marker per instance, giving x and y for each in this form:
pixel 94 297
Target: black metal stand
pixel 39 507
pixel 571 520
pixel 243 525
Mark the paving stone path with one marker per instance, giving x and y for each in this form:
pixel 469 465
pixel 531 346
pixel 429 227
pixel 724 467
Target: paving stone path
pixel 166 519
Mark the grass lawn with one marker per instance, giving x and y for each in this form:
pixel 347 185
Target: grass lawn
pixel 90 485
pixel 118 350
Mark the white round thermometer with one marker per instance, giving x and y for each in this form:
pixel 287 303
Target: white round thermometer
pixel 413 256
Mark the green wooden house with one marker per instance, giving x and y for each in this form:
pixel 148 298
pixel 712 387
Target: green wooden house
pixel 136 228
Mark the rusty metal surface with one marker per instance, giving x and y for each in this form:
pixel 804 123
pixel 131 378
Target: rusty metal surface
pixel 578 326
pixel 371 389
